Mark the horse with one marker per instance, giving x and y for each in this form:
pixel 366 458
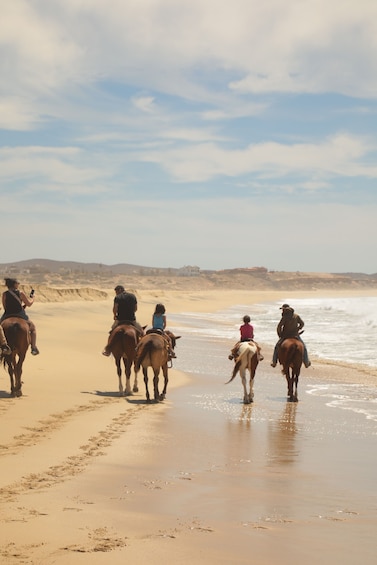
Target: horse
pixel 247 359
pixel 17 332
pixel 291 353
pixel 152 351
pixel 122 344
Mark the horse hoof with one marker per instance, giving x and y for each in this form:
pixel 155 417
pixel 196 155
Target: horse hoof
pixel 135 389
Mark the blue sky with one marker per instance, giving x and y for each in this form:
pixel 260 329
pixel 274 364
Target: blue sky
pixel 205 132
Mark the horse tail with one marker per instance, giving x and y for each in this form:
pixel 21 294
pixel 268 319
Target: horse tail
pixel 235 370
pixel 237 365
pixel 114 337
pixel 290 353
pixel 141 352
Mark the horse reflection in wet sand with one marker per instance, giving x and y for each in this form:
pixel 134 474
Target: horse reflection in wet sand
pixel 153 351
pixel 17 333
pixel 247 360
pixel 122 344
pixel 291 353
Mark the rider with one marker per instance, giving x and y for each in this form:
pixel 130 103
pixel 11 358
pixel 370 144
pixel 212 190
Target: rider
pixel 246 334
pixel 159 325
pixel 289 326
pixel 14 303
pixel 124 308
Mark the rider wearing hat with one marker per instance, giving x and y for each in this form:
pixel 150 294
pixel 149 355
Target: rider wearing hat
pixel 289 326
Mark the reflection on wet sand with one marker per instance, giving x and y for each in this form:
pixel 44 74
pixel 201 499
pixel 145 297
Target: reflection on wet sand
pixel 282 437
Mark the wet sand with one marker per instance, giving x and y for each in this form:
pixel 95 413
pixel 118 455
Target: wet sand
pixel 88 477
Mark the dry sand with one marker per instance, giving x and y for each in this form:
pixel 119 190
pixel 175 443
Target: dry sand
pixel 88 477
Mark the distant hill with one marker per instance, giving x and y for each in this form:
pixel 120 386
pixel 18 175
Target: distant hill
pixel 72 274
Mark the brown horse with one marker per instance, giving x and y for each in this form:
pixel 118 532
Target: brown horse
pixel 247 359
pixel 291 353
pixel 17 333
pixel 122 344
pixel 152 351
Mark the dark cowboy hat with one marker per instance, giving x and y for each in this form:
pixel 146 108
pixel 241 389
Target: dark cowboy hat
pixel 284 307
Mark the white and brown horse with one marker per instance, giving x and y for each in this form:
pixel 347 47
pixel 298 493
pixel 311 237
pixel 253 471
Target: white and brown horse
pixel 153 351
pixel 291 353
pixel 17 332
pixel 247 360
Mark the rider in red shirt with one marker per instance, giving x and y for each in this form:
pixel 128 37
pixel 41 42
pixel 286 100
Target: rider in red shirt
pixel 247 334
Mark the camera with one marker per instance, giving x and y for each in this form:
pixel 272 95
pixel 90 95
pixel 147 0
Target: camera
pixel 32 293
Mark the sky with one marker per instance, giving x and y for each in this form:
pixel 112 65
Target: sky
pixel 213 133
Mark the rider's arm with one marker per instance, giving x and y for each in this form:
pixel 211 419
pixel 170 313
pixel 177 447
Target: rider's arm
pixel 279 328
pixel 300 323
pixel 26 299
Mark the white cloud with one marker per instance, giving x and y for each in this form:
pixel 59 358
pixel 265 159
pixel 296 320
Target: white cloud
pixel 144 103
pixel 339 155
pixel 277 46
pixel 17 114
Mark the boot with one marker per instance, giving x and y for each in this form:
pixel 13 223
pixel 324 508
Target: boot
pixel 5 349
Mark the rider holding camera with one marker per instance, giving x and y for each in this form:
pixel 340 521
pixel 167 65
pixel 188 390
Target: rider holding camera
pixel 14 302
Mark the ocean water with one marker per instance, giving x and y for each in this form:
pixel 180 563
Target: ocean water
pixel 338 329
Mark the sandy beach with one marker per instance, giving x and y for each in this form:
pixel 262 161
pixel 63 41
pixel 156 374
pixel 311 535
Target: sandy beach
pixel 88 477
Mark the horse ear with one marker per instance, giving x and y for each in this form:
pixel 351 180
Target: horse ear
pixel 178 337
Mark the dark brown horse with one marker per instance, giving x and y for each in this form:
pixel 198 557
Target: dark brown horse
pixel 17 333
pixel 152 351
pixel 291 353
pixel 122 344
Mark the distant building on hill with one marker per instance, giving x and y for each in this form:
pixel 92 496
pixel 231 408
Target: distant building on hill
pixel 188 271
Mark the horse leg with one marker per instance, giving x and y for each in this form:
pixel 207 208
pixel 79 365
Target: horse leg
pixel 119 373
pixel 166 380
pixel 136 386
pixel 295 380
pixel 145 373
pixel 252 368
pixel 18 375
pixel 251 386
pixel 127 370
pixel 155 383
pixel 11 377
pixel 246 399
pixel 290 385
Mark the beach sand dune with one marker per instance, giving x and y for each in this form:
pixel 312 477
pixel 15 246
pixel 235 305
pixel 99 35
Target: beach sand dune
pixel 89 477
